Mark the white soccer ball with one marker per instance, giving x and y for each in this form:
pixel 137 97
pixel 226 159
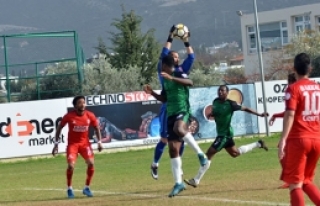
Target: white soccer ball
pixel 181 31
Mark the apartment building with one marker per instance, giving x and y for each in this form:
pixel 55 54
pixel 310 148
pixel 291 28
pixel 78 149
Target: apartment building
pixel 276 29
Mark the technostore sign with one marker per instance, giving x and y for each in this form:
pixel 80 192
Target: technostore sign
pixel 28 128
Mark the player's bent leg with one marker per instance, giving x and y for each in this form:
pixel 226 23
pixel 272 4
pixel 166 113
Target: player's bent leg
pixel 157 155
pixel 176 166
pixel 87 153
pixel 72 154
pixel 69 174
pixel 312 159
pixel 90 171
pixel 249 147
pixel 194 182
pixel 181 129
pixel 296 194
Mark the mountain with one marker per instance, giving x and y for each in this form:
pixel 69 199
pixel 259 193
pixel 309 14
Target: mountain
pixel 210 22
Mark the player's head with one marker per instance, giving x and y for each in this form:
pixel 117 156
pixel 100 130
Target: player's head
pixel 168 64
pixel 223 92
pixel 302 64
pixel 175 56
pixel 291 78
pixel 79 103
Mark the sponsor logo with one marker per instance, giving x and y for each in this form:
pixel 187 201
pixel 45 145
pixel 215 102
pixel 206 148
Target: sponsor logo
pixel 19 127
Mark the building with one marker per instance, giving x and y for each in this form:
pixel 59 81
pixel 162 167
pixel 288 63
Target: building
pixel 276 29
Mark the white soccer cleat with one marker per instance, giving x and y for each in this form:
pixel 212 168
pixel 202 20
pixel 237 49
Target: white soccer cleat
pixel 191 182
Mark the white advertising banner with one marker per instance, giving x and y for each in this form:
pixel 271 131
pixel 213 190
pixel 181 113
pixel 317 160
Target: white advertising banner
pixel 275 91
pixel 28 128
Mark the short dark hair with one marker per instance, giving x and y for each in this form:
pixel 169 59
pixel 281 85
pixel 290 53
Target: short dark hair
pixel 224 86
pixel 76 99
pixel 291 78
pixel 168 60
pixel 302 63
pixel 171 52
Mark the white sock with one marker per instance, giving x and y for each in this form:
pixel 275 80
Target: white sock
pixel 70 188
pixel 201 172
pixel 155 164
pixel 86 186
pixel 176 169
pixel 189 139
pixel 247 148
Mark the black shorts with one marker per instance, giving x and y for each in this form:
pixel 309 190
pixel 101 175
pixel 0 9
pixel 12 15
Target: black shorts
pixel 172 136
pixel 222 142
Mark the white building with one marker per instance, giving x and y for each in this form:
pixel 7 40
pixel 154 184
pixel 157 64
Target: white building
pixel 276 29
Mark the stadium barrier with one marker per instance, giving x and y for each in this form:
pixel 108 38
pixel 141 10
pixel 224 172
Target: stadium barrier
pixel 128 119
pixel 275 102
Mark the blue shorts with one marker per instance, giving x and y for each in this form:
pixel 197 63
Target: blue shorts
pixel 163 121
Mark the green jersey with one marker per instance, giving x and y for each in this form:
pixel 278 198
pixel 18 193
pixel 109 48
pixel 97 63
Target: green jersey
pixel 177 95
pixel 222 111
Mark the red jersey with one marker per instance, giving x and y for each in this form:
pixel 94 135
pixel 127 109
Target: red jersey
pixel 303 97
pixel 79 126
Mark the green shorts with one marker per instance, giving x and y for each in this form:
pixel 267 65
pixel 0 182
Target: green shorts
pixel 172 136
pixel 222 142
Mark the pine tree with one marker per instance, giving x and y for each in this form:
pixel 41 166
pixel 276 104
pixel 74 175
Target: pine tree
pixel 130 47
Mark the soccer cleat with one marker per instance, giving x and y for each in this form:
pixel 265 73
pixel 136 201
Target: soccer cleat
pixel 284 186
pixel 86 191
pixel 177 188
pixel 202 159
pixel 70 193
pixel 154 172
pixel 263 145
pixel 191 182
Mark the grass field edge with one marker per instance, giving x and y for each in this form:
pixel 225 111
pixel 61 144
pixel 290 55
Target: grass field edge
pixel 125 149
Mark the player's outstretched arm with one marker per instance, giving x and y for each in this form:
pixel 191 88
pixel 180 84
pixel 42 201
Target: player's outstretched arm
pixel 188 62
pixel 251 111
pixel 166 49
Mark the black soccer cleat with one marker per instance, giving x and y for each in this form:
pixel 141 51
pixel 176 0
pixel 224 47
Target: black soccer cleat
pixel 154 172
pixel 263 145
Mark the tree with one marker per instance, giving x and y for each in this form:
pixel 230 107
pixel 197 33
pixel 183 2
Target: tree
pixel 235 76
pixel 308 42
pixel 130 47
pixel 280 62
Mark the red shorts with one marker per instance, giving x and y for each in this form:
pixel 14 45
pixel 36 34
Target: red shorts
pixel 300 160
pixel 74 149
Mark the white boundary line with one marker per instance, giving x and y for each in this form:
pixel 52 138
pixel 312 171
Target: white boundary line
pixel 252 202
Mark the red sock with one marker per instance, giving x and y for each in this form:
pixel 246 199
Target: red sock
pixel 297 198
pixel 313 193
pixel 69 177
pixel 90 172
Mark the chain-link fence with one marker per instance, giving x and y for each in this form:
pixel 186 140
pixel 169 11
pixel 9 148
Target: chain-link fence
pixel 30 66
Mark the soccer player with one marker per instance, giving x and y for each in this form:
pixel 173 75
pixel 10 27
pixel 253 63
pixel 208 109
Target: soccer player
pixel 222 112
pixel 78 121
pixel 291 80
pixel 299 146
pixel 175 93
pixel 185 67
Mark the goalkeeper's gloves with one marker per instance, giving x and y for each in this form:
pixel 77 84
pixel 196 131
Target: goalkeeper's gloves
pixel 186 40
pixel 170 37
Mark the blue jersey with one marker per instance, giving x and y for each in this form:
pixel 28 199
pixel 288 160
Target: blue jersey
pixel 185 67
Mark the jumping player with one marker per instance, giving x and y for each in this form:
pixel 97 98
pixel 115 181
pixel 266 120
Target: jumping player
pixel 78 121
pixel 175 93
pixel 185 67
pixel 222 112
pixel 299 146
pixel 291 80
